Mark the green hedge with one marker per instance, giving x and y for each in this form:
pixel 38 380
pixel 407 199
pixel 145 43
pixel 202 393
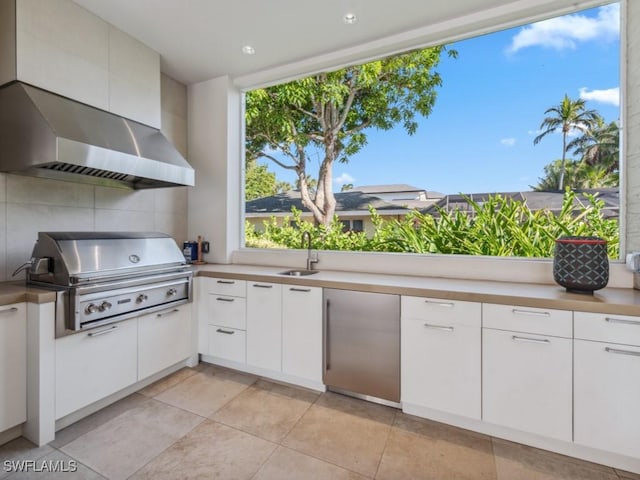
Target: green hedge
pixel 499 227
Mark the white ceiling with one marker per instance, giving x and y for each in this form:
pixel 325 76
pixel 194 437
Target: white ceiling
pixel 203 39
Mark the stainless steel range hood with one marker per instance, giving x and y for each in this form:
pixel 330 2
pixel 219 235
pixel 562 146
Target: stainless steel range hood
pixel 45 135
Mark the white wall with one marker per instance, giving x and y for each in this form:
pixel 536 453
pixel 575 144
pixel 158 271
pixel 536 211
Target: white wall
pixel 215 203
pixel 29 205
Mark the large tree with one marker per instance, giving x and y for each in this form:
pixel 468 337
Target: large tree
pixel 260 182
pixel 599 147
pixel 330 113
pixel 569 115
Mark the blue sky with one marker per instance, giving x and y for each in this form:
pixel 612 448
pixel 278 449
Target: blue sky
pixel 479 137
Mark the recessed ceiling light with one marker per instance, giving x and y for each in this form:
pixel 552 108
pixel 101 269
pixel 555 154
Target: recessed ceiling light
pixel 350 18
pixel 248 50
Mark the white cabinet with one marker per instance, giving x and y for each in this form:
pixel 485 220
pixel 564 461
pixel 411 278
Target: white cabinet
pixel 527 377
pixel 13 365
pixel 264 325
pixel 302 332
pixel 164 339
pixel 93 365
pixel 441 355
pixel 607 383
pixel 222 318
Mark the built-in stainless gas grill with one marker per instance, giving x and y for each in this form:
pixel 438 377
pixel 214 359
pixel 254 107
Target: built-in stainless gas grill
pixel 103 277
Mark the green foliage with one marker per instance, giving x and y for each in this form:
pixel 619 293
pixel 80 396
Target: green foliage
pixel 498 227
pixel 260 182
pixel 330 112
pixel 578 175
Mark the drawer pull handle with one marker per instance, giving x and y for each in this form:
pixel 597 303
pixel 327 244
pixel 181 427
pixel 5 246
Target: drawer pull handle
pixel 622 320
pixel 166 314
pixel 622 352
pixel 306 290
pixel 226 282
pixel 227 332
pixel 258 285
pixel 439 304
pixel 439 327
pixel 530 313
pixel 102 332
pixel 530 340
pixel 222 299
pixel 9 310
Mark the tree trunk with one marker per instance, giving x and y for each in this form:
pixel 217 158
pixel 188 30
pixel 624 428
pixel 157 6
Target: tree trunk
pixel 564 155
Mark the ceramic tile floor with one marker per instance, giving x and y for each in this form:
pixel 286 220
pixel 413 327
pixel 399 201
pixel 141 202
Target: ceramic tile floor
pixel 213 423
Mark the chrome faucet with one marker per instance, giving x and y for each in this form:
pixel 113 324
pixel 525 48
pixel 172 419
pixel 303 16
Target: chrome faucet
pixel 306 236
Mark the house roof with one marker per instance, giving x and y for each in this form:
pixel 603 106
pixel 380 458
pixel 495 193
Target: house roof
pixel 345 201
pixel 550 200
pixel 390 188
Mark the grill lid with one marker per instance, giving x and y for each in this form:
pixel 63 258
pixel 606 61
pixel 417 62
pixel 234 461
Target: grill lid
pixel 77 257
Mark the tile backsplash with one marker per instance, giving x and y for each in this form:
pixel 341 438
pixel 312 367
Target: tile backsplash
pixel 29 205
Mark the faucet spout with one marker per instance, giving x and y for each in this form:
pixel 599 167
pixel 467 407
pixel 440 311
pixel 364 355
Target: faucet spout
pixel 306 238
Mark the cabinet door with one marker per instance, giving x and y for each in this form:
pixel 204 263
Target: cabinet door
pixel 607 396
pixel 302 332
pixel 93 365
pixel 441 357
pixel 264 325
pixel 164 339
pixel 527 382
pixel 13 365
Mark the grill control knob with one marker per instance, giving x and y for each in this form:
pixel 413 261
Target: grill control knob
pixel 91 308
pixel 104 306
pixel 172 292
pixel 141 298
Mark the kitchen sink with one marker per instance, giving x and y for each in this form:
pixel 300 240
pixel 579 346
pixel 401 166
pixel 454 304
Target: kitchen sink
pixel 298 273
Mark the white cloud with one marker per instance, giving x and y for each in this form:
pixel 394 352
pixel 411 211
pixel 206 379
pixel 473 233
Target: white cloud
pixel 508 142
pixel 610 96
pixel 566 32
pixel 343 178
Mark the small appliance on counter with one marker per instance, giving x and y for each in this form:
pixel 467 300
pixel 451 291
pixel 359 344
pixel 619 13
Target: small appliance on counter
pixel 193 251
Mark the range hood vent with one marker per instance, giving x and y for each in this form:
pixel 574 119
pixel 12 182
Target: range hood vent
pixel 46 135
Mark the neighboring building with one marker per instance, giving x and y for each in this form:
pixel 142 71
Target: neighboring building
pixel 352 206
pixel 395 201
pixel 551 201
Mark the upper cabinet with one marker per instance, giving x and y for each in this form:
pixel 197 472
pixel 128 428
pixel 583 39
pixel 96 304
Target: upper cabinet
pixel 61 47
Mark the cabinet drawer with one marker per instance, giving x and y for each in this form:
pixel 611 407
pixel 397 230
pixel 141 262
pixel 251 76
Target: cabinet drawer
pixel 607 328
pixel 541 321
pixel 227 311
pixel 13 365
pixel 441 312
pixel 225 286
pixel 227 343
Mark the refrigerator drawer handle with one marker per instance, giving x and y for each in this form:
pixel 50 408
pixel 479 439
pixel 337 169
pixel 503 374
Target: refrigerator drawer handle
pixel 439 327
pixel 622 352
pixel 326 336
pixel 222 299
pixel 227 332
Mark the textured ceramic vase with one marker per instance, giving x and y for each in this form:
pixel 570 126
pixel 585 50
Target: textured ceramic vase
pixel 581 264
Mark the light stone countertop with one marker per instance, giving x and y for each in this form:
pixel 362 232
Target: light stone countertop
pixel 16 292
pixel 614 301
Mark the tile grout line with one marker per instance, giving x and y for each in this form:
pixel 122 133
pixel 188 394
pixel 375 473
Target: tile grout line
pixel 386 443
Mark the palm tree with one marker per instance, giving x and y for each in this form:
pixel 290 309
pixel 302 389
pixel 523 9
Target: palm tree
pixel 599 147
pixel 567 116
